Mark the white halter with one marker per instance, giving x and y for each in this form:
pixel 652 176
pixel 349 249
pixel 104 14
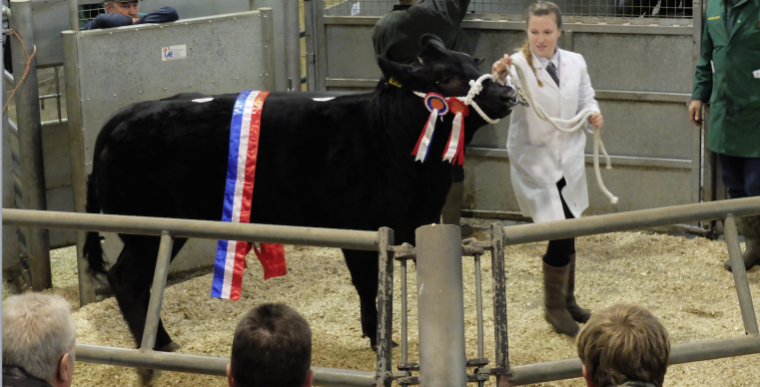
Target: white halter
pixel 469 100
pixel 575 123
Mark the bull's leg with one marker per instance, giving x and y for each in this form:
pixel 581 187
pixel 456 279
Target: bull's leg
pixel 363 268
pixel 131 278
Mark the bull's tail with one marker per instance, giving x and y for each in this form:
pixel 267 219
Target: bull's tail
pixel 93 251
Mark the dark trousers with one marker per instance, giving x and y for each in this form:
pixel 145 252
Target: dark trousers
pixel 559 251
pixel 741 175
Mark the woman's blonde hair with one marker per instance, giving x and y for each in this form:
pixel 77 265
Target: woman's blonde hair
pixel 539 8
pixel 624 343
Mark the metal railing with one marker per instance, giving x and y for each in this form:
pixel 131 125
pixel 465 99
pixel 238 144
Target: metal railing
pixel 169 229
pixel 382 241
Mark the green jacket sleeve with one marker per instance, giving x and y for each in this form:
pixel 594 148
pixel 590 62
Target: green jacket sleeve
pixel 703 79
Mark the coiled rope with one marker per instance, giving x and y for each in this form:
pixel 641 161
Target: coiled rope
pixel 567 126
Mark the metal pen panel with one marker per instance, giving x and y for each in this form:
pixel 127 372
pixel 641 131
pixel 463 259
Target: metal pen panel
pixel 222 54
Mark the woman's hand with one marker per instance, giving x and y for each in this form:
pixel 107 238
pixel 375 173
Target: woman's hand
pixel 500 67
pixel 596 120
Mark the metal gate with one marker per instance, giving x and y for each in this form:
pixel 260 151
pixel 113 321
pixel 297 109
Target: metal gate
pixel 641 67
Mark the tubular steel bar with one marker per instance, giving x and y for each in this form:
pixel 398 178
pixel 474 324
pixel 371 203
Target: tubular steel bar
pixel 74 15
pixel 404 317
pixel 181 228
pixel 310 59
pixel 479 302
pixel 30 141
pixel 679 354
pixel 203 364
pixel 501 336
pixel 440 302
pixel 292 44
pixel 384 375
pixel 157 291
pixel 740 275
pixel 623 221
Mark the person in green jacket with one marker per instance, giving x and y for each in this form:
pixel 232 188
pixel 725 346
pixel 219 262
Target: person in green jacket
pixel 396 37
pixel 728 76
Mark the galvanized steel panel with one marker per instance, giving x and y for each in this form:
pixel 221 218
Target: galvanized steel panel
pixel 659 63
pixel 350 53
pixel 121 66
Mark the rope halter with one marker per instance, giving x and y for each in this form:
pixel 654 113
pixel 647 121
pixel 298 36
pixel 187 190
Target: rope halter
pixel 476 86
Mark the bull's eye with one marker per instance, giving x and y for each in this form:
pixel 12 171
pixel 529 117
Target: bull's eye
pixel 445 81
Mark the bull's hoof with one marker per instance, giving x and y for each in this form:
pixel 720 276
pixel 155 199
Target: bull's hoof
pixel 171 347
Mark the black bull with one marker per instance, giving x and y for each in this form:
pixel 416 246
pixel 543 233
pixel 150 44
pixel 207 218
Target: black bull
pixel 344 163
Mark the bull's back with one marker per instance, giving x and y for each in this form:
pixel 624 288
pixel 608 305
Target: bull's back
pixel 169 159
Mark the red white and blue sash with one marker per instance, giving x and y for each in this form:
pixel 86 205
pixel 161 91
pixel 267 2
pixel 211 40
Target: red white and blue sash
pixel 241 171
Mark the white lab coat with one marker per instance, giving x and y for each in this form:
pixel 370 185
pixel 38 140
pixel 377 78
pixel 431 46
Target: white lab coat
pixel 539 154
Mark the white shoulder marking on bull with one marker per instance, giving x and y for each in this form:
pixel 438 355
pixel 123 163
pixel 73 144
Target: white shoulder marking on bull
pixel 325 99
pixel 203 100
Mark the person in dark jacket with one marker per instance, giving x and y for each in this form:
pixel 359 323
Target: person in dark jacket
pixel 120 13
pixel 624 346
pixel 38 341
pixel 728 76
pixel 396 36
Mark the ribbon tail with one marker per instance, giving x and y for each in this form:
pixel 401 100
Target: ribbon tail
pixel 452 149
pixel 460 150
pixel 423 143
pixel 272 258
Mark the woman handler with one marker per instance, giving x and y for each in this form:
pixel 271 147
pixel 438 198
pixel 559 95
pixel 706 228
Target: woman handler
pixel 547 165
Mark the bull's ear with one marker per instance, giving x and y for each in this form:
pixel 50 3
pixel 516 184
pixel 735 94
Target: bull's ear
pixel 397 71
pixel 479 61
pixel 432 47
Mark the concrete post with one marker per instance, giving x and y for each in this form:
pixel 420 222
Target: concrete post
pixel 30 141
pixel 440 297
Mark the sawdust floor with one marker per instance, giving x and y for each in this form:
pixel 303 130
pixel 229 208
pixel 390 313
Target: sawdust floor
pixel 680 280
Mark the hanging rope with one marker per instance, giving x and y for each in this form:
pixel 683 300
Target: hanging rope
pixel 567 126
pixel 26 71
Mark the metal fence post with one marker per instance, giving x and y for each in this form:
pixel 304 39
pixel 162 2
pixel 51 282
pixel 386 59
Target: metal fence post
pixel 740 275
pixel 292 32
pixel 499 285
pixel 440 295
pixel 157 291
pixel 385 308
pixel 311 64
pixel 74 15
pixel 30 141
pixel 10 246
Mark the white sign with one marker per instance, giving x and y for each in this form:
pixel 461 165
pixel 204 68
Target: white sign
pixel 355 9
pixel 173 52
pixel 756 73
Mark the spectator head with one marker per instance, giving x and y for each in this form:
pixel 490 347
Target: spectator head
pixel 128 8
pixel 271 347
pixel 39 336
pixel 623 343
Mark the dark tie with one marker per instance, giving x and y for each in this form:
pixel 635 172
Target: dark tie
pixel 553 72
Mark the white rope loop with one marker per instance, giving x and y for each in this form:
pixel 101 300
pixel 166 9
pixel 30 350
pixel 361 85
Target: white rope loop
pixel 572 125
pixel 476 86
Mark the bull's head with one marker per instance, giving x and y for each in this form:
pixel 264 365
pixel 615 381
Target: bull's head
pixel 449 73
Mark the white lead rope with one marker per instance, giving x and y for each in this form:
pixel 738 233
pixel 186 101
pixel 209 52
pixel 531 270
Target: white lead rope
pixel 573 124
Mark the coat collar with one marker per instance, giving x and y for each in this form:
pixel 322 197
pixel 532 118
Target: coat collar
pixel 744 17
pixel 541 72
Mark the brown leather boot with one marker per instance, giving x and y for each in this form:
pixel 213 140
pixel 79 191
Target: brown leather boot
pixel 750 229
pixel 579 314
pixel 555 300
